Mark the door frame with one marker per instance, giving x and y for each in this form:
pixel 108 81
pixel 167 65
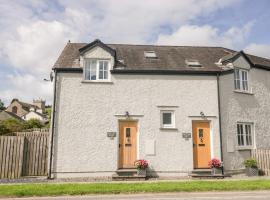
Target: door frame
pixel 210 122
pixel 118 140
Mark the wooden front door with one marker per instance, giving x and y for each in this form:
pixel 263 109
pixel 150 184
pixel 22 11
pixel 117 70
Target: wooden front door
pixel 201 144
pixel 127 144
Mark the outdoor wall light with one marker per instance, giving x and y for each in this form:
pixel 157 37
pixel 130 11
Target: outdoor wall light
pixel 127 114
pixel 202 114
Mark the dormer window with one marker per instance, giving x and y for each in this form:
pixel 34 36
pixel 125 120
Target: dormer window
pixel 96 70
pixel 193 63
pixel 150 54
pixel 241 79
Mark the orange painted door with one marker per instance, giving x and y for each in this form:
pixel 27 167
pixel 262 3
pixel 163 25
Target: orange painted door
pixel 201 144
pixel 127 144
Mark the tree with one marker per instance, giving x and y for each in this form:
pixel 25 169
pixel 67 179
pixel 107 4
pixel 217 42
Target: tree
pixel 2 106
pixel 11 125
pixel 3 129
pixel 33 123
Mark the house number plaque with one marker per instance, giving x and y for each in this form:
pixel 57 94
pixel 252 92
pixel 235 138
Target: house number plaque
pixel 111 134
pixel 186 135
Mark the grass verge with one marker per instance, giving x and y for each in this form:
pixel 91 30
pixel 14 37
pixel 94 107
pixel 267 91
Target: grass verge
pixel 28 190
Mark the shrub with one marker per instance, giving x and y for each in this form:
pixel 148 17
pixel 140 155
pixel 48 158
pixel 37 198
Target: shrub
pixel 11 125
pixel 251 163
pixel 33 123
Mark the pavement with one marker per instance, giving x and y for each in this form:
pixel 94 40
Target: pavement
pixel 253 195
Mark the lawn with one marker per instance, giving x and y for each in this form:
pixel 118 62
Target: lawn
pixel 50 189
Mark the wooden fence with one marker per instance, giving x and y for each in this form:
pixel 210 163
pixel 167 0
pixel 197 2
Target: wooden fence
pixel 11 156
pixel 263 158
pixel 24 154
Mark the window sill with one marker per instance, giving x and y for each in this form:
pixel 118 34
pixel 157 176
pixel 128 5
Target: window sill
pixel 244 148
pixel 243 92
pixel 170 129
pixel 97 82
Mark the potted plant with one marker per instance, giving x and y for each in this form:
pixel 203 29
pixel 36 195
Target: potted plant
pixel 216 166
pixel 141 166
pixel 251 167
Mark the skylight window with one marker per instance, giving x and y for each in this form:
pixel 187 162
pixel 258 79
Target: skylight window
pixel 150 54
pixel 193 63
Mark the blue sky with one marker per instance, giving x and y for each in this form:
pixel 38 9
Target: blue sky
pixel 32 38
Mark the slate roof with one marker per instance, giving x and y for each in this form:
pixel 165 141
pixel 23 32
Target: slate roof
pixel 170 58
pixel 26 106
pixel 9 115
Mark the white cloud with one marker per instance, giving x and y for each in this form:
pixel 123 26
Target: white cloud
pixel 32 37
pixel 27 87
pixel 35 47
pixel 262 50
pixel 206 36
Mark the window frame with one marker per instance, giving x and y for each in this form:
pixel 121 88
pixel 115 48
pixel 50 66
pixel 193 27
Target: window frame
pixel 167 126
pixel 150 54
pixel 98 60
pixel 239 79
pixel 245 137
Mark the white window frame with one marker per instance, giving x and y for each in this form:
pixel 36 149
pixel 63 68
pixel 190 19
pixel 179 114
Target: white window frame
pixel 172 125
pixel 240 78
pixel 245 136
pixel 150 54
pixel 97 70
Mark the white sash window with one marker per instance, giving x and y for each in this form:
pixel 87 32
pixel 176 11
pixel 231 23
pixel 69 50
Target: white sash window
pixel 96 70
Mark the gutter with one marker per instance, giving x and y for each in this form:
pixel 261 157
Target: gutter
pixel 162 72
pixel 52 126
pixel 220 127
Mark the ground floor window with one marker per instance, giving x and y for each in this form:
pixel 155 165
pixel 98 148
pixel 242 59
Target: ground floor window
pixel 167 119
pixel 245 135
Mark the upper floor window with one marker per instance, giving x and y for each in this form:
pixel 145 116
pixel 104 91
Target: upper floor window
pixel 241 79
pixel 150 54
pixel 245 135
pixel 95 70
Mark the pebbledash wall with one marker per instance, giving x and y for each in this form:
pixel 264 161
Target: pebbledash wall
pixel 87 111
pixel 253 107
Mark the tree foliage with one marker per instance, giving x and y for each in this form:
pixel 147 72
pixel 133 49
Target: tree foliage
pixel 2 106
pixel 33 123
pixel 14 125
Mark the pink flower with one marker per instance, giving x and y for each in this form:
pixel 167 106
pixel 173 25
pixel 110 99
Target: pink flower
pixel 214 163
pixel 141 164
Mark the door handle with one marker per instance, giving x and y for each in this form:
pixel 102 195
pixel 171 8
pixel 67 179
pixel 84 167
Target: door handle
pixel 194 145
pixel 120 145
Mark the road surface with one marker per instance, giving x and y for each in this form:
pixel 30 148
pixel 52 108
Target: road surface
pixel 257 195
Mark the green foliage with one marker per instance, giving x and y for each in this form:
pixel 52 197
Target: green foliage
pixel 33 123
pixel 251 163
pixel 11 125
pixel 3 129
pixel 48 111
pixel 2 106
pixel 14 125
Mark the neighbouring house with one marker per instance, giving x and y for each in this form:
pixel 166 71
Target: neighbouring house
pixel 28 111
pixel 32 114
pixel 244 107
pixel 175 106
pixel 4 115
